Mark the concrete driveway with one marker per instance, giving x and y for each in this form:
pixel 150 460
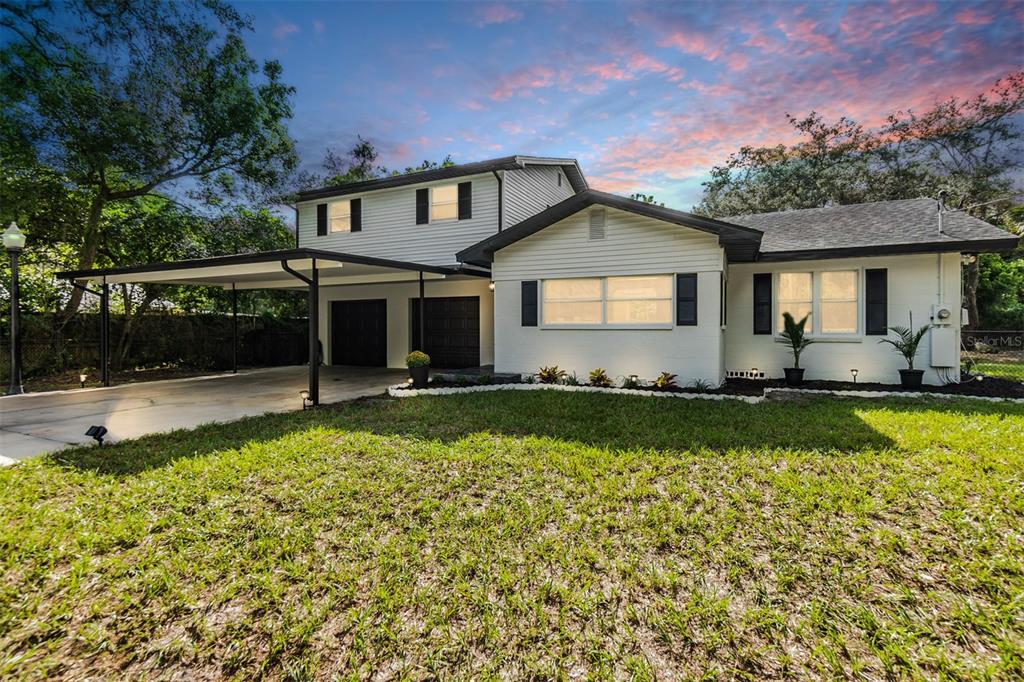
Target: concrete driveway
pixel 33 424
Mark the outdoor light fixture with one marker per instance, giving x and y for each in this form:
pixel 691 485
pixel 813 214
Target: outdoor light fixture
pixel 854 372
pixel 81 379
pixel 306 402
pixel 14 244
pixel 753 372
pixel 97 433
pixel 491 286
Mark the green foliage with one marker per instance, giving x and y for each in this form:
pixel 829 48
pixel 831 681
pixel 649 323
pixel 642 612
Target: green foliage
pixel 572 379
pixel 485 379
pixel 907 340
pixel 793 334
pixel 700 386
pixel 598 377
pixel 417 359
pixel 632 382
pixel 646 198
pixel 550 375
pixel 665 380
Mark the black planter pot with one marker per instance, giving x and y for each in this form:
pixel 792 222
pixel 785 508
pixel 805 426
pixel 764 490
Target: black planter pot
pixel 794 376
pixel 419 375
pixel 911 378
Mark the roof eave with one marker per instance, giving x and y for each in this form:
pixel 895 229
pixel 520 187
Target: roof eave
pixel 961 246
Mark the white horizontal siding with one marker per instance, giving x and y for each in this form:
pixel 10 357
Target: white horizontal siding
pixel 389 227
pixel 531 190
pixel 633 245
pixel 912 286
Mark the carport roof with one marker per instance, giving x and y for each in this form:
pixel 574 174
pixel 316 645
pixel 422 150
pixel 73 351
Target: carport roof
pixel 265 269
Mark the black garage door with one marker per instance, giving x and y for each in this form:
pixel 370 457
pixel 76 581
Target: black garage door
pixel 452 331
pixel 359 333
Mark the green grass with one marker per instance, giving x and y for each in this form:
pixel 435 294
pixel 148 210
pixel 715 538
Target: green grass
pixel 528 535
pixel 1006 370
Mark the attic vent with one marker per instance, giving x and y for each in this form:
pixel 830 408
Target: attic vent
pixel 597 224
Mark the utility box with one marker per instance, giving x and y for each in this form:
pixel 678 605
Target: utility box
pixel 944 349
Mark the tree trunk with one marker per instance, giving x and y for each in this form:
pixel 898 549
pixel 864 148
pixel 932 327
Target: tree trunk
pixel 124 342
pixel 87 253
pixel 971 294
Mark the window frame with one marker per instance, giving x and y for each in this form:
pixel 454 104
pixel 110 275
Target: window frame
pixel 331 216
pixel 604 324
pixel 815 331
pixel 454 203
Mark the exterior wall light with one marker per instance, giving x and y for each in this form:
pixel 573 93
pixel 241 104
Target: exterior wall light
pixel 491 286
pixel 306 402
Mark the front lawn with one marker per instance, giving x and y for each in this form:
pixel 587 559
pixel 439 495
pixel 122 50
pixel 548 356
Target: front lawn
pixel 538 534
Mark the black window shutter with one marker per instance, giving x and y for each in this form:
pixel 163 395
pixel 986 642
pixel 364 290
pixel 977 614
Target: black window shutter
pixel 465 200
pixel 422 206
pixel 529 303
pixel 686 300
pixel 356 217
pixel 321 220
pixel 763 303
pixel 876 303
pixel 723 292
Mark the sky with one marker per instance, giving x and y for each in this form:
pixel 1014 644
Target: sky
pixel 648 97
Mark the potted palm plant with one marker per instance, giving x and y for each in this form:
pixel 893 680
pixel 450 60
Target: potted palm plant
pixel 794 335
pixel 906 342
pixel 418 363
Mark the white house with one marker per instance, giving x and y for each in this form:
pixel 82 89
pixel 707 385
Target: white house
pixel 518 264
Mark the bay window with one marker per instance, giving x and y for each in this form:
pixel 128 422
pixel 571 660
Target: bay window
pixel 643 300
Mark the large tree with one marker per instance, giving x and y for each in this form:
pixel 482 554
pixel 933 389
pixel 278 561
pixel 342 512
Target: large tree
pixel 122 99
pixel 970 149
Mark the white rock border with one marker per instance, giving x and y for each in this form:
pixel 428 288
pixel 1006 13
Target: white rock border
pixel 402 391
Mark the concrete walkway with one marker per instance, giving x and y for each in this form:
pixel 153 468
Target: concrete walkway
pixel 36 423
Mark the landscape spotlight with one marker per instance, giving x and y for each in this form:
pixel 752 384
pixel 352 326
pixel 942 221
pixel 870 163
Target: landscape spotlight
pixel 854 372
pixel 97 433
pixel 81 379
pixel 306 402
pixel 753 372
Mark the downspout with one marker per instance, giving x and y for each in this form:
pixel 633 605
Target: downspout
pixel 501 202
pixel 296 208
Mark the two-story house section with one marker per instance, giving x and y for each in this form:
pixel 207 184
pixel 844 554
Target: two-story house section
pixel 424 218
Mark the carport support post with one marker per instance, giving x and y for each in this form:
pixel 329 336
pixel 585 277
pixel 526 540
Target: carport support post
pixel 105 333
pixel 314 335
pixel 234 329
pixel 423 313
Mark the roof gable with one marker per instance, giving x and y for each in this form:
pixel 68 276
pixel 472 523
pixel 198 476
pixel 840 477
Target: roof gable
pixel 739 242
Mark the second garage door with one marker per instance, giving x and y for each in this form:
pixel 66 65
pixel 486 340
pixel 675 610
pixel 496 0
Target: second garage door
pixel 359 333
pixel 452 330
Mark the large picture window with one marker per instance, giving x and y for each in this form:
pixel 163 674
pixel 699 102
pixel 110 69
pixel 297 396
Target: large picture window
pixel 340 216
pixel 444 203
pixel 620 301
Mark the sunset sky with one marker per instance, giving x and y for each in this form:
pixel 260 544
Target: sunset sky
pixel 647 96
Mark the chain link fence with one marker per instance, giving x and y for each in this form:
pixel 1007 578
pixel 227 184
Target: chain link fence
pixel 993 353
pixel 188 342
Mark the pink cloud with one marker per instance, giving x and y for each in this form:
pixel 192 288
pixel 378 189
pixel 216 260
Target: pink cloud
pixel 692 42
pixel 971 17
pixel 285 29
pixel 496 13
pixel 473 105
pixel 523 82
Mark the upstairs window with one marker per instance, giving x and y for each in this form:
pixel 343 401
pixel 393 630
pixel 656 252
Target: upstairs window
pixel 444 203
pixel 340 216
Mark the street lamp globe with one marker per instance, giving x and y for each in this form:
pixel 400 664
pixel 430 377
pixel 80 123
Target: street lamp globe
pixel 14 239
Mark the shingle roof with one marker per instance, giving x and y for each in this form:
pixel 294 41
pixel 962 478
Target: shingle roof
pixel 569 166
pixel 739 242
pixel 901 226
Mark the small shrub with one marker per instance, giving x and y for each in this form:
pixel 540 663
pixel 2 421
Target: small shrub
pixel 462 381
pixel 600 378
pixel 700 386
pixel 484 379
pixel 665 380
pixel 571 380
pixel 632 381
pixel 417 359
pixel 529 379
pixel 550 375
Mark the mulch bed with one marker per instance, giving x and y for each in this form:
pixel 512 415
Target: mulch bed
pixel 990 387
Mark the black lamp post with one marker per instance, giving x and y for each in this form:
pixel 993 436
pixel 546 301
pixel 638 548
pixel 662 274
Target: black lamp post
pixel 14 242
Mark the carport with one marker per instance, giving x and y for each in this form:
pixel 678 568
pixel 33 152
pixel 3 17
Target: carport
pixel 286 269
